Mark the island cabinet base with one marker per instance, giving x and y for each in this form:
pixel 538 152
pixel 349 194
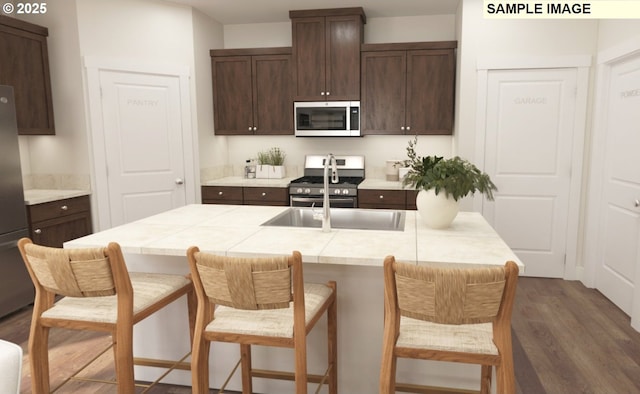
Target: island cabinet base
pixel 165 335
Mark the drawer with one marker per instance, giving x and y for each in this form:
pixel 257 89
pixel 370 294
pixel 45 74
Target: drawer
pixel 266 195
pixel 381 198
pixel 59 208
pixel 222 195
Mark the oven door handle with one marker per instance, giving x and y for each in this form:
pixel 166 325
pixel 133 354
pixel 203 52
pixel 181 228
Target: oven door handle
pixel 319 199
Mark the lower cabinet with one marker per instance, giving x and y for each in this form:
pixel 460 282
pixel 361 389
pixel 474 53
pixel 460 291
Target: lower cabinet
pixel 386 199
pixel 411 199
pixel 266 196
pixel 222 195
pixel 53 223
pixel 238 195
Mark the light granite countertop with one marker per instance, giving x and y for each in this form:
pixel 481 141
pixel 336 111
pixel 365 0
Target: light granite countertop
pixel 236 230
pixel 39 196
pixel 244 182
pixel 381 184
pixel 368 183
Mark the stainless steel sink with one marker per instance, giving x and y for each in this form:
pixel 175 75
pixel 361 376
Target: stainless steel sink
pixel 346 218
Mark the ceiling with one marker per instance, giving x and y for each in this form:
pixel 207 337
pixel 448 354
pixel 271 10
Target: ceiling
pixel 268 11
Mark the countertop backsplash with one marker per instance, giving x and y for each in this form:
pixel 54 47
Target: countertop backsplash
pixel 57 181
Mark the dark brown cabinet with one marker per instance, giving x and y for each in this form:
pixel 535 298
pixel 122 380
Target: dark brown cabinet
pixel 408 88
pixel 252 91
pixel 24 64
pixel 326 53
pixel 266 196
pixel 222 195
pixel 238 195
pixel 387 199
pixel 53 223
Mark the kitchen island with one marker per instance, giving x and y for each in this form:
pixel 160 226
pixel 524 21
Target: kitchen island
pixel 353 258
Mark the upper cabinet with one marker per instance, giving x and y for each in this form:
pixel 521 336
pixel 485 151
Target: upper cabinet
pixel 326 53
pixel 408 88
pixel 252 91
pixel 24 64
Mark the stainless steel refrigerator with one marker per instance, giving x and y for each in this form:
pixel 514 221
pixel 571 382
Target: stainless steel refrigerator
pixel 16 289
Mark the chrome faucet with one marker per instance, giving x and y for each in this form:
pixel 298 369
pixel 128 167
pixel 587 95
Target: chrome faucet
pixel 326 209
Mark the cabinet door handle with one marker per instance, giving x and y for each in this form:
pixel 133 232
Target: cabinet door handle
pixel 255 128
pixel 220 193
pixel 408 127
pixel 321 93
pixel 381 196
pixel 37 231
pixel 64 207
pixel 328 93
pixel 249 128
pixel 264 194
pixel 401 127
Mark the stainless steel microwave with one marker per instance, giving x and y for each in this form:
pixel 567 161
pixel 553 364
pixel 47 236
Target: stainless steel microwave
pixel 327 118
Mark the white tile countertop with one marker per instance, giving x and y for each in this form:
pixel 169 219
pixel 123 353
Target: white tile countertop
pixel 236 230
pixel 382 184
pixel 244 182
pixel 39 196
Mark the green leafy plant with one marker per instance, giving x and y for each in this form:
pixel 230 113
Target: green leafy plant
pixel 263 158
pixel 456 177
pixel 274 156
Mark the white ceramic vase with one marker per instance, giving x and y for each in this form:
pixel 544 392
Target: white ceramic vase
pixel 436 211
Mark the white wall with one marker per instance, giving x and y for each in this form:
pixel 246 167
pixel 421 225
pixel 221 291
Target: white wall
pixel 66 152
pixel 207 35
pixel 145 30
pixel 612 32
pixel 257 35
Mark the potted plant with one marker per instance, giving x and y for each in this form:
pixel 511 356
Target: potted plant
pixel 442 183
pixel 271 163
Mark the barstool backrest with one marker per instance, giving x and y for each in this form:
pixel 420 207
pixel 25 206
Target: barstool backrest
pixel 246 283
pixel 449 295
pixel 71 272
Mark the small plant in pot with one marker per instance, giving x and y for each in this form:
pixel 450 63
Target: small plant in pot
pixel 442 183
pixel 271 164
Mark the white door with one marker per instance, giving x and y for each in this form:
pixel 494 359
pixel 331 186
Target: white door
pixel 528 154
pixel 143 142
pixel 619 240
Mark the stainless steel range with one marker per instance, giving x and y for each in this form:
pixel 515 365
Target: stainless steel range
pixel 309 190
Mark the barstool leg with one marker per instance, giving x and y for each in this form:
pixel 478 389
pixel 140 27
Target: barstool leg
pixel 39 358
pixel 485 379
pixel 123 352
pixel 332 323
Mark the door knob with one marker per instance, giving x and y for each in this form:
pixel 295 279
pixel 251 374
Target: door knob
pixel 636 203
pixel 179 181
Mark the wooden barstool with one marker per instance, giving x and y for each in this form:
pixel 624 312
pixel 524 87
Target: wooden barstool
pixel 259 301
pixel 99 295
pixel 448 314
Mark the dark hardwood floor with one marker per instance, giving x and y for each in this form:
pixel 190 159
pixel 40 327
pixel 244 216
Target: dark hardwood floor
pixel 567 339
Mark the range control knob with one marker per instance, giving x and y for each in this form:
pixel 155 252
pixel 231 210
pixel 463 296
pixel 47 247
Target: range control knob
pixel 337 191
pixel 307 191
pixel 321 191
pixel 299 190
pixel 345 191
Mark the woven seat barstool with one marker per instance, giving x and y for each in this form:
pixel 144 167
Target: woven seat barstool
pixel 448 314
pixel 99 295
pixel 259 301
